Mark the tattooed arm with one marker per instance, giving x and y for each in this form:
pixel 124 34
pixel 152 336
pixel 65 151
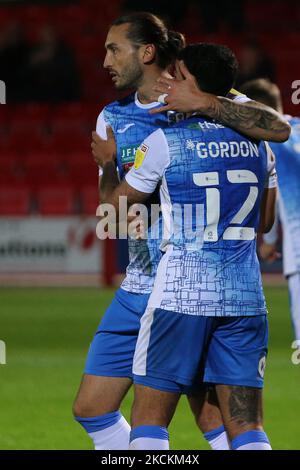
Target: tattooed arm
pixel 251 118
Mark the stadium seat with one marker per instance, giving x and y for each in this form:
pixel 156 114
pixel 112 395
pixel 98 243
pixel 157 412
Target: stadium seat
pixel 26 140
pixel 14 201
pixel 6 156
pixel 69 141
pixel 82 169
pixel 34 18
pixel 53 200
pixel 82 112
pixel 68 110
pixel 43 168
pixel 33 112
pixel 89 199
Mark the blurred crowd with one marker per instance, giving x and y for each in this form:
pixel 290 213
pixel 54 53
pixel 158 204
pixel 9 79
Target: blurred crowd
pixel 53 53
pixel 45 71
pixel 214 13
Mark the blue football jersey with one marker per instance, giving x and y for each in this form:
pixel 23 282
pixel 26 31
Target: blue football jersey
pixel 212 181
pixel 131 124
pixel 288 170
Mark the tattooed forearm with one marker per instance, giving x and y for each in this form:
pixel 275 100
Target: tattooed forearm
pixel 109 180
pixel 245 405
pixel 253 119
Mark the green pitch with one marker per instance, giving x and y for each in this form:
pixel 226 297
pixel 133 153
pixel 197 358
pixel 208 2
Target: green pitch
pixel 47 333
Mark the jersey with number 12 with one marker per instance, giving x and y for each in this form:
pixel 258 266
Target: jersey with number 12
pixel 217 177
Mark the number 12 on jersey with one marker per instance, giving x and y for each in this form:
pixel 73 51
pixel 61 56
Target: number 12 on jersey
pixel 213 196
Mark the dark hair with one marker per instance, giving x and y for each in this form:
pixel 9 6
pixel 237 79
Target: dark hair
pixel 264 91
pixel 214 66
pixel 146 28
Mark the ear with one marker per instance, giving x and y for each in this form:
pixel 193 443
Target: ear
pixel 148 53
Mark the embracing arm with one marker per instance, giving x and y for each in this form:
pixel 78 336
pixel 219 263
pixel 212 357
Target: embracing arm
pixel 251 118
pixel 122 189
pixel 267 210
pixel 151 160
pixel 109 181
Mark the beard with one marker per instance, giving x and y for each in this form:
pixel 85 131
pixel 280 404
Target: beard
pixel 131 77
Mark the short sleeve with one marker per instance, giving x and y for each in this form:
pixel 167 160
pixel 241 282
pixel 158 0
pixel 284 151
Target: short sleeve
pixel 151 159
pixel 271 181
pixel 101 130
pixel 101 126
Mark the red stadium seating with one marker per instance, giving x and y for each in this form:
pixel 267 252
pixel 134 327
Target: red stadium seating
pixel 89 200
pixel 14 201
pixel 45 169
pixel 25 140
pixel 31 112
pixel 55 200
pixel 47 147
pixel 12 170
pixel 84 174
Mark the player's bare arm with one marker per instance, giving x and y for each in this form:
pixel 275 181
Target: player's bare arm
pixel 110 192
pixel 268 252
pixel 252 118
pixel 109 180
pixel 267 211
pixel 103 150
pixel 123 189
pixel 268 248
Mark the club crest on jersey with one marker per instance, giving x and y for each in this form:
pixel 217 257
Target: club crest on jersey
pixel 262 366
pixel 140 155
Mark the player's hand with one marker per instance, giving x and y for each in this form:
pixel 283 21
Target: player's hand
pixel 268 252
pixel 104 150
pixel 183 93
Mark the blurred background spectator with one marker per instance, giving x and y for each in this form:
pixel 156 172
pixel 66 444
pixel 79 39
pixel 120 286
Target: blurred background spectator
pixel 255 63
pixel 212 15
pixel 54 51
pixel 14 57
pixel 43 71
pixel 52 72
pixel 217 14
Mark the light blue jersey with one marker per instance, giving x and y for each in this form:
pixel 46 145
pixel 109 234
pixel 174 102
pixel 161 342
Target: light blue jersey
pixel 288 169
pixel 131 124
pixel 222 175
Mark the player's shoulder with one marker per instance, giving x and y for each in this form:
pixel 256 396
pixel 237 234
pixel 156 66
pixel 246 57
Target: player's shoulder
pixel 156 137
pixel 121 103
pixel 115 106
pixel 195 123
